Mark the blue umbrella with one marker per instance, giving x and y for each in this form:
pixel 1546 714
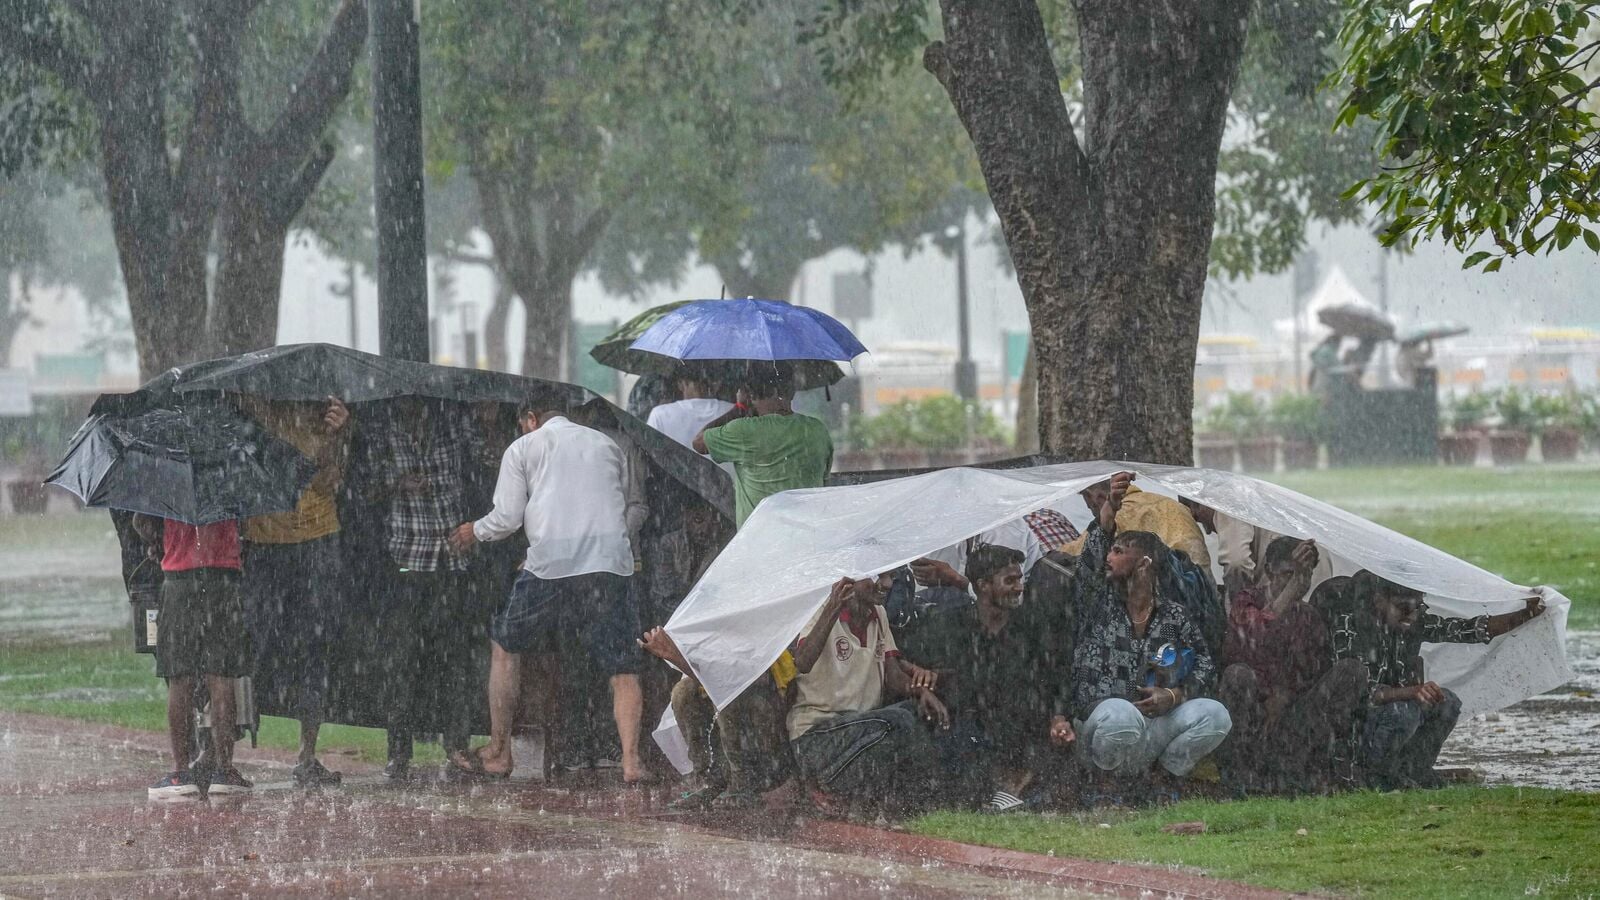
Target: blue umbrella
pixel 749 329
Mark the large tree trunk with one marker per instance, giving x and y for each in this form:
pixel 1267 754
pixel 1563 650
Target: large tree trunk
pixel 249 282
pixel 252 234
pixel 1110 241
pixel 740 280
pixel 161 244
pixel 548 307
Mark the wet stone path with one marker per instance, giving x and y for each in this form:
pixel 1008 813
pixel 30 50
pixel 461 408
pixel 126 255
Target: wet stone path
pixel 74 822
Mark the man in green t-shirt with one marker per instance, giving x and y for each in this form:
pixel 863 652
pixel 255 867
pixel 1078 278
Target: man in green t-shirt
pixel 772 448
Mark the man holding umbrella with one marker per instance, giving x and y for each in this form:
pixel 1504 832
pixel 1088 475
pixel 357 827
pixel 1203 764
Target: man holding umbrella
pixel 772 447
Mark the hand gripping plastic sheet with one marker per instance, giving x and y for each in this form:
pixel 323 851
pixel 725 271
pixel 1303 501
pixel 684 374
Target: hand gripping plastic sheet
pixel 760 592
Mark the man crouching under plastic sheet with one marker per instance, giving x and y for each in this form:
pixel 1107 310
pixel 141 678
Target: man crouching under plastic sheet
pixel 1140 664
pixel 852 748
pixel 1384 625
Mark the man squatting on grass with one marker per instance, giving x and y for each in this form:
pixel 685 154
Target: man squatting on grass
pixel 564 485
pixel 1125 715
pixel 1291 701
pixel 1383 625
pixel 993 673
pixel 851 746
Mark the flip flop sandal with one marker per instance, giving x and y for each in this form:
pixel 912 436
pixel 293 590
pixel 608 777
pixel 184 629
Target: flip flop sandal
pixel 1003 801
pixel 696 800
pixel 473 769
pixel 736 800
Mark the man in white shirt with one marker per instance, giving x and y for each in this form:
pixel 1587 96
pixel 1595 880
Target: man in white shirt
pixel 683 420
pixel 563 485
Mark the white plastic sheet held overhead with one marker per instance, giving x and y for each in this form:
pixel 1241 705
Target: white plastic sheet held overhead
pixel 775 574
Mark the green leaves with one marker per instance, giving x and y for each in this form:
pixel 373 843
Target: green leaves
pixel 1483 110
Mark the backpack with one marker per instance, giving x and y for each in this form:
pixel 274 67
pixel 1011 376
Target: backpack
pixel 1192 587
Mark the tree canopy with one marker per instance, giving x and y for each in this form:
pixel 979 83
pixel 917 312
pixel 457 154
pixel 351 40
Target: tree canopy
pixel 1485 118
pixel 627 139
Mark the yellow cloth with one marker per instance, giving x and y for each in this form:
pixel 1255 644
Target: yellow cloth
pixel 1166 518
pixel 783 671
pixel 316 515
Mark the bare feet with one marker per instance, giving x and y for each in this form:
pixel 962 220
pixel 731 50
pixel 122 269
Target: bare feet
pixel 483 761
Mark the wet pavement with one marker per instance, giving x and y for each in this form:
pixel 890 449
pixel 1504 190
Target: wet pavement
pixel 75 822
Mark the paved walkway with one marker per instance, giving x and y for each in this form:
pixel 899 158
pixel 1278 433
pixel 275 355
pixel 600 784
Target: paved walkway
pixel 74 821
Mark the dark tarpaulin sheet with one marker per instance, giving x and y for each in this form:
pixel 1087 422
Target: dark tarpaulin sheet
pixel 867 476
pixel 313 372
pixel 317 371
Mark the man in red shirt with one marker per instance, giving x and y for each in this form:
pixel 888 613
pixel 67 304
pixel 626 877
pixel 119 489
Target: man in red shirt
pixel 1289 705
pixel 200 633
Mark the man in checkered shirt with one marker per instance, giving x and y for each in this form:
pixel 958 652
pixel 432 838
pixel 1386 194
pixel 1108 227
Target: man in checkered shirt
pixel 416 459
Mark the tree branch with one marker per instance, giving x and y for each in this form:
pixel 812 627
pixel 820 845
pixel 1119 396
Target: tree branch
pixel 324 84
pixel 298 191
pixel 470 259
pixel 589 232
pixel 211 137
pixel 22 35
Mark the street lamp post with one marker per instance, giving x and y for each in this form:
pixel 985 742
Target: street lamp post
pixel 402 276
pixel 966 369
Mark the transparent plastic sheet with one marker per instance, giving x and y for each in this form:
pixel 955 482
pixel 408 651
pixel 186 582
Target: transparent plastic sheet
pixel 775 574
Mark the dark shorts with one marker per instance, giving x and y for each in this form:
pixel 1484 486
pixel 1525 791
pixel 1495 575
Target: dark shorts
pixel 201 627
pixel 595 611
pixel 290 594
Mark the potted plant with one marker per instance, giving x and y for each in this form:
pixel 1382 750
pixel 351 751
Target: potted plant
pixel 1243 418
pixel 1463 419
pixel 1589 418
pixel 1509 443
pixel 1561 421
pixel 1298 420
pixel 1213 448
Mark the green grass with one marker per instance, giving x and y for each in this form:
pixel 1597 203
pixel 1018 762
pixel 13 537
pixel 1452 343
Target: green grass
pixel 92 527
pixel 1461 842
pixel 104 682
pixel 1531 525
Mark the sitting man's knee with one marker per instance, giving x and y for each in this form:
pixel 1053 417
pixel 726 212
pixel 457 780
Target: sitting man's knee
pixel 1349 673
pixel 1115 729
pixel 900 716
pixel 1208 716
pixel 1238 680
pixel 1450 706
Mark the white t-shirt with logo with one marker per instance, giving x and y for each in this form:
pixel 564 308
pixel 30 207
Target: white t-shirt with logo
pixel 847 677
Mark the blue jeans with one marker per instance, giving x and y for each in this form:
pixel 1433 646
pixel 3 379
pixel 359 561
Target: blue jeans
pixel 1120 739
pixel 1402 740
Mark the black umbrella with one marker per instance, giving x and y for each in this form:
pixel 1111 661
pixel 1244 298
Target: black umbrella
pixel 311 372
pixel 200 462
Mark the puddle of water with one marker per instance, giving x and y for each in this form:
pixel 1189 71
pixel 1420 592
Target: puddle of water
pixel 1552 740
